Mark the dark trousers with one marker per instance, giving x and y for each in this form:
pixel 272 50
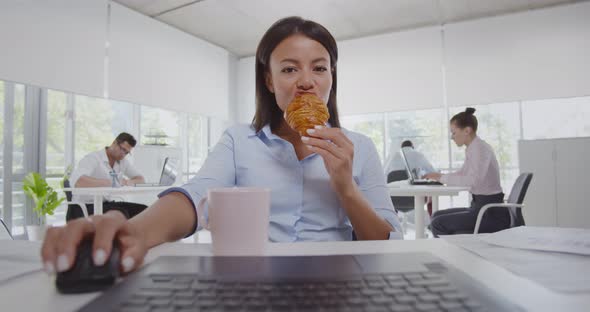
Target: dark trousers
pixel 462 220
pixel 130 210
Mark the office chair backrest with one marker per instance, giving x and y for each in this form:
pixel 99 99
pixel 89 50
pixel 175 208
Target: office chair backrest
pixel 517 194
pixel 400 203
pixel 4 232
pixel 68 193
pixel 519 188
pixel 397 175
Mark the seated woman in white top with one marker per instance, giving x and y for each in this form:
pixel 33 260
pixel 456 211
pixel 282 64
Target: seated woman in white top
pixel 480 172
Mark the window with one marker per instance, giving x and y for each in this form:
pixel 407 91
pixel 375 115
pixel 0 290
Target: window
pixel 77 125
pixel 98 122
pixel 159 126
pixel 370 125
pixel 18 133
pixel 13 118
pixel 18 168
pixel 56 132
pixel 541 119
pixel 55 168
pixel 122 117
pixel 425 128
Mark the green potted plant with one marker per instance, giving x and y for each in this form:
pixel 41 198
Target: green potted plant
pixel 45 199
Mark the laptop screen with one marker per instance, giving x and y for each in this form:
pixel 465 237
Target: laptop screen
pixel 169 172
pixel 411 175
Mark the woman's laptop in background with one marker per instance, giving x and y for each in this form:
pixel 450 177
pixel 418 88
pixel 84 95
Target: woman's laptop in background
pixel 168 176
pixel 414 180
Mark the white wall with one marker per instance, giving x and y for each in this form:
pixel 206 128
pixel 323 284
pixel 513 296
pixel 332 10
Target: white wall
pixel 62 44
pixel 532 55
pixel 233 63
pixel 154 64
pixel 57 44
pixel 397 71
pixel 246 91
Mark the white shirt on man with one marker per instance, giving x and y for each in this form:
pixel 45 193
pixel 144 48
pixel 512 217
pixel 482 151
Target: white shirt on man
pixel 416 160
pixel 96 165
pixel 480 171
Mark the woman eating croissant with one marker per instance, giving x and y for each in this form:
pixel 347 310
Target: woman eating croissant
pixel 326 182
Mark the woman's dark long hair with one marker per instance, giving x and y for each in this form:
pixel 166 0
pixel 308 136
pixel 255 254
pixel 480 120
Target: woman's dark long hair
pixel 267 109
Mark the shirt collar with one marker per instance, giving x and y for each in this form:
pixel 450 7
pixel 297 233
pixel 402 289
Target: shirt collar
pixel 105 158
pixel 475 141
pixel 265 131
pixel 268 132
pixel 103 154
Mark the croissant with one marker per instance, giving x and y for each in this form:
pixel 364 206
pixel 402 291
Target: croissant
pixel 305 112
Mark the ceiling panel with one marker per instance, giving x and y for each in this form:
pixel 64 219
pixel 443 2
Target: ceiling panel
pixel 218 23
pixel 237 25
pixel 154 7
pixel 386 16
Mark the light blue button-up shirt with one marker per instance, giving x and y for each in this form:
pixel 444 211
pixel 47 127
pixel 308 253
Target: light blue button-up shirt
pixel 303 205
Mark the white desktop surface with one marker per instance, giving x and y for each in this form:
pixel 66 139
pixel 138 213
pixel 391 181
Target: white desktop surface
pixel 403 188
pixel 36 291
pixel 100 192
pixel 114 190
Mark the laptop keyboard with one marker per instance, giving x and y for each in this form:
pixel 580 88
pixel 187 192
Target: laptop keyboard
pixel 380 292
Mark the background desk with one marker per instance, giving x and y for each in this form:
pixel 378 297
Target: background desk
pixel 419 192
pixel 36 292
pixel 100 192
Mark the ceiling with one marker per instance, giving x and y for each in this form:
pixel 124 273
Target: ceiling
pixel 238 25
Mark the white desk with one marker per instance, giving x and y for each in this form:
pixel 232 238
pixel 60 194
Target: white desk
pixel 36 291
pixel 100 192
pixel 401 188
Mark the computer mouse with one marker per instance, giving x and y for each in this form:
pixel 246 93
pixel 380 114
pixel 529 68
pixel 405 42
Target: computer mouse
pixel 84 276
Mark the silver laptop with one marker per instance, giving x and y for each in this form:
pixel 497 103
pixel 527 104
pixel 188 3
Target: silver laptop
pixel 168 175
pixel 375 282
pixel 412 177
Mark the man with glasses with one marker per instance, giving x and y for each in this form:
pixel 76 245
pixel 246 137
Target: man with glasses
pixel 108 167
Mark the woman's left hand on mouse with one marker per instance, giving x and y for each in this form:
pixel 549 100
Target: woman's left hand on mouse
pixel 59 247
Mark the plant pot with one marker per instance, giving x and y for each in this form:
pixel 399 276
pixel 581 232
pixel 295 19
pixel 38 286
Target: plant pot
pixel 36 232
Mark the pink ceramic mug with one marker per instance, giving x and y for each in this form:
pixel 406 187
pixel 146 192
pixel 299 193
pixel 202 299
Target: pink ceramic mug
pixel 238 219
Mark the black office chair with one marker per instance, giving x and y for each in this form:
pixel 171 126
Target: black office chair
pixel 514 203
pixel 72 206
pixel 4 232
pixel 401 204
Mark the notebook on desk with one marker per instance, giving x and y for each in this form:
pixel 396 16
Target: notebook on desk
pixel 376 282
pixel 168 175
pixel 412 178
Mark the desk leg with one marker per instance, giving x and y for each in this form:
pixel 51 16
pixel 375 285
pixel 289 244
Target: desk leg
pixel 419 215
pixel 434 204
pixel 97 205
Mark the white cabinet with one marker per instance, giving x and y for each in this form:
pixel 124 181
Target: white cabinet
pixel 541 202
pixel 558 194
